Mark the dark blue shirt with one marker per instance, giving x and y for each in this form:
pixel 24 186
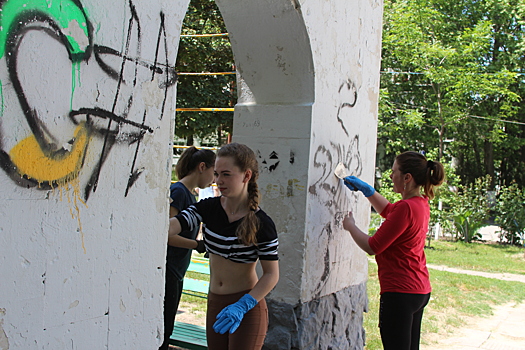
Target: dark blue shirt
pixel 178 259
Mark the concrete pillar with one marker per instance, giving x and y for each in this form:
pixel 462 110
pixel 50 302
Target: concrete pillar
pixel 87 101
pixel 309 80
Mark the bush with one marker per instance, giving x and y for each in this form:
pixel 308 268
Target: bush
pixel 470 209
pixel 510 213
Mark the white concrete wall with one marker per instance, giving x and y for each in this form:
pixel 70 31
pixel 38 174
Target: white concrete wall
pixel 346 43
pixel 82 247
pixel 309 82
pixel 309 74
pixel 83 210
pixel 309 79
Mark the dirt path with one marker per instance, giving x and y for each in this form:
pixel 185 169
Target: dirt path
pixel 185 315
pixel 504 330
pixel 500 276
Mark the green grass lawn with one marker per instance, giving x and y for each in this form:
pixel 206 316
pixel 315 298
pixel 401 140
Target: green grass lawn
pixel 456 296
pixel 477 256
pixel 195 304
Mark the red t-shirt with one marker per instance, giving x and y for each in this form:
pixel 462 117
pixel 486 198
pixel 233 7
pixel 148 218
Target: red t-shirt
pixel 399 247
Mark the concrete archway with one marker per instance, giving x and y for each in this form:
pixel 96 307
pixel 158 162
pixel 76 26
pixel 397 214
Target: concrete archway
pixel 276 93
pixel 308 76
pixel 272 51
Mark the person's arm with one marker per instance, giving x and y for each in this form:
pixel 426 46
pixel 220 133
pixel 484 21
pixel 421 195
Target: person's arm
pixel 360 238
pixel 178 241
pixel 378 202
pixel 268 280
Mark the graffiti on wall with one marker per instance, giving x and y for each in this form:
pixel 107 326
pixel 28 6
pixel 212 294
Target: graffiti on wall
pixel 334 196
pixel 40 158
pixel 331 192
pixel 348 94
pixel 268 163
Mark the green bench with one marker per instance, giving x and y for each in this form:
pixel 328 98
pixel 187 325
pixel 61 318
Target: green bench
pixel 191 285
pixel 188 335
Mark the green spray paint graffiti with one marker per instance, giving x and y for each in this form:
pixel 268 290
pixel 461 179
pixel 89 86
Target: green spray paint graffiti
pixel 37 160
pixel 68 14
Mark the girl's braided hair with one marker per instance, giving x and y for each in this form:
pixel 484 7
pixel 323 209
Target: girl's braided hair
pixel 244 158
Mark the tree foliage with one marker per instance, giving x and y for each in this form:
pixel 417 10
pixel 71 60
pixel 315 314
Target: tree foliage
pixel 198 55
pixel 511 213
pixel 452 81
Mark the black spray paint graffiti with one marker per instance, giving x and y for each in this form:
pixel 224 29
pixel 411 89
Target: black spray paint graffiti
pixel 323 279
pixel 325 161
pixel 39 160
pixel 334 194
pixel 331 192
pixel 348 94
pixel 269 163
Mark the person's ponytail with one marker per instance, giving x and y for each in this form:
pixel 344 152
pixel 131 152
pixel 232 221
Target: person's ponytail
pixel 426 173
pixel 247 229
pixel 191 158
pixel 435 175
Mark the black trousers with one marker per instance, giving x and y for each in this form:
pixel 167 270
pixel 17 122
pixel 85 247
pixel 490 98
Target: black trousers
pixel 400 316
pixel 173 292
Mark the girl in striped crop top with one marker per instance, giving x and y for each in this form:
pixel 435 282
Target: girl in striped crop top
pixel 237 233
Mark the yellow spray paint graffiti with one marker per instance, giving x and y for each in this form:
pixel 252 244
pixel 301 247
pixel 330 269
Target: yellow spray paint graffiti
pixel 34 163
pixel 38 160
pixel 45 143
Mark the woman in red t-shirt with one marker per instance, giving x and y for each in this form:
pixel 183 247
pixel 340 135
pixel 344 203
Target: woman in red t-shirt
pixel 399 246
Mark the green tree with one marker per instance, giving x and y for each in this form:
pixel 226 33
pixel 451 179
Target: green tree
pixel 451 78
pixel 199 55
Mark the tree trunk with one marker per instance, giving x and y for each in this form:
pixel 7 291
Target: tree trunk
pixel 489 163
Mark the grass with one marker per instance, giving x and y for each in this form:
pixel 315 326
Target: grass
pixel 477 256
pixel 456 296
pixel 194 304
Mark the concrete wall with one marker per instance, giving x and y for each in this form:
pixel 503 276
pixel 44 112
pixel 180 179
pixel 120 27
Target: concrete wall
pixel 309 77
pixel 85 131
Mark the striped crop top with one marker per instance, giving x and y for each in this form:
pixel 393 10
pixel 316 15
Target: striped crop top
pixel 219 233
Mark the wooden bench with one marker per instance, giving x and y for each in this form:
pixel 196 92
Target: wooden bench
pixel 188 335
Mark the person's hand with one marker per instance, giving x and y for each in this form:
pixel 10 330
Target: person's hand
pixel 348 221
pixel 354 184
pixel 201 248
pixel 231 316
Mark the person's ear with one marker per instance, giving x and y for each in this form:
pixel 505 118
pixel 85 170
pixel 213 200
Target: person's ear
pixel 202 167
pixel 247 175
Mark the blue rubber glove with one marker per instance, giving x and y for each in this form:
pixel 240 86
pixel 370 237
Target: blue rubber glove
pixel 354 184
pixel 231 316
